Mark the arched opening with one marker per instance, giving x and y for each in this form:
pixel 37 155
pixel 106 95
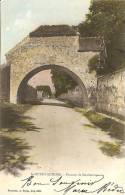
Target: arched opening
pixel 23 89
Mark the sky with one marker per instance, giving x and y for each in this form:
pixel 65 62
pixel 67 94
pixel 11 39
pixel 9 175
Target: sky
pixel 42 78
pixel 19 17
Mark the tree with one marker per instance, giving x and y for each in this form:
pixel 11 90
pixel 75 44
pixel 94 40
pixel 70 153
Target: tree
pixel 45 89
pixel 62 81
pixel 106 19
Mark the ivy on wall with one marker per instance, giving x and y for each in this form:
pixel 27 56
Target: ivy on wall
pixel 106 19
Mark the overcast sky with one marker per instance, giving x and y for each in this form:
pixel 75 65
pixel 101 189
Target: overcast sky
pixel 19 17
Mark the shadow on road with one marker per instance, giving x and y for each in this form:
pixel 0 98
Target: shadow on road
pixel 112 127
pixel 13 154
pixel 58 104
pixel 14 149
pixel 12 119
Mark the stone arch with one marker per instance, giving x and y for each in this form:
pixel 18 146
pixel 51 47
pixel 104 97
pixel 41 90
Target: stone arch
pixel 50 66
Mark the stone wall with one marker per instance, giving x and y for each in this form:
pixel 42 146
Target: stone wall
pixel 34 52
pixel 4 83
pixel 90 44
pixel 30 94
pixel 111 93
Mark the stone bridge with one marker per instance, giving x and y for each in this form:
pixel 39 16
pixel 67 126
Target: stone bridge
pixel 52 46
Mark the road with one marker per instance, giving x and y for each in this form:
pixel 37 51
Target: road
pixel 67 142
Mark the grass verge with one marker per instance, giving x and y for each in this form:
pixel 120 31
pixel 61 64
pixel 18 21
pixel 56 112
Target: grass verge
pixel 110 149
pixel 114 128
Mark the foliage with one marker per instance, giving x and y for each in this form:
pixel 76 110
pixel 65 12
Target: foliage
pixel 45 88
pixel 94 63
pixel 112 127
pixel 106 19
pixel 62 81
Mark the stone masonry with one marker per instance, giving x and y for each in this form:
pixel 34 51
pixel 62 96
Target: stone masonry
pixel 34 52
pixel 111 93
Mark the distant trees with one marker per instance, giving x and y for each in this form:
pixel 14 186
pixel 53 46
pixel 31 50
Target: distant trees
pixel 45 89
pixel 106 19
pixel 62 82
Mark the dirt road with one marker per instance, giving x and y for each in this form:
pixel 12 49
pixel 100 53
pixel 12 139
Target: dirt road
pixel 67 142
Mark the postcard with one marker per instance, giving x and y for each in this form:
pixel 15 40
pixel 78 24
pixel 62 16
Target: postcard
pixel 62 97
